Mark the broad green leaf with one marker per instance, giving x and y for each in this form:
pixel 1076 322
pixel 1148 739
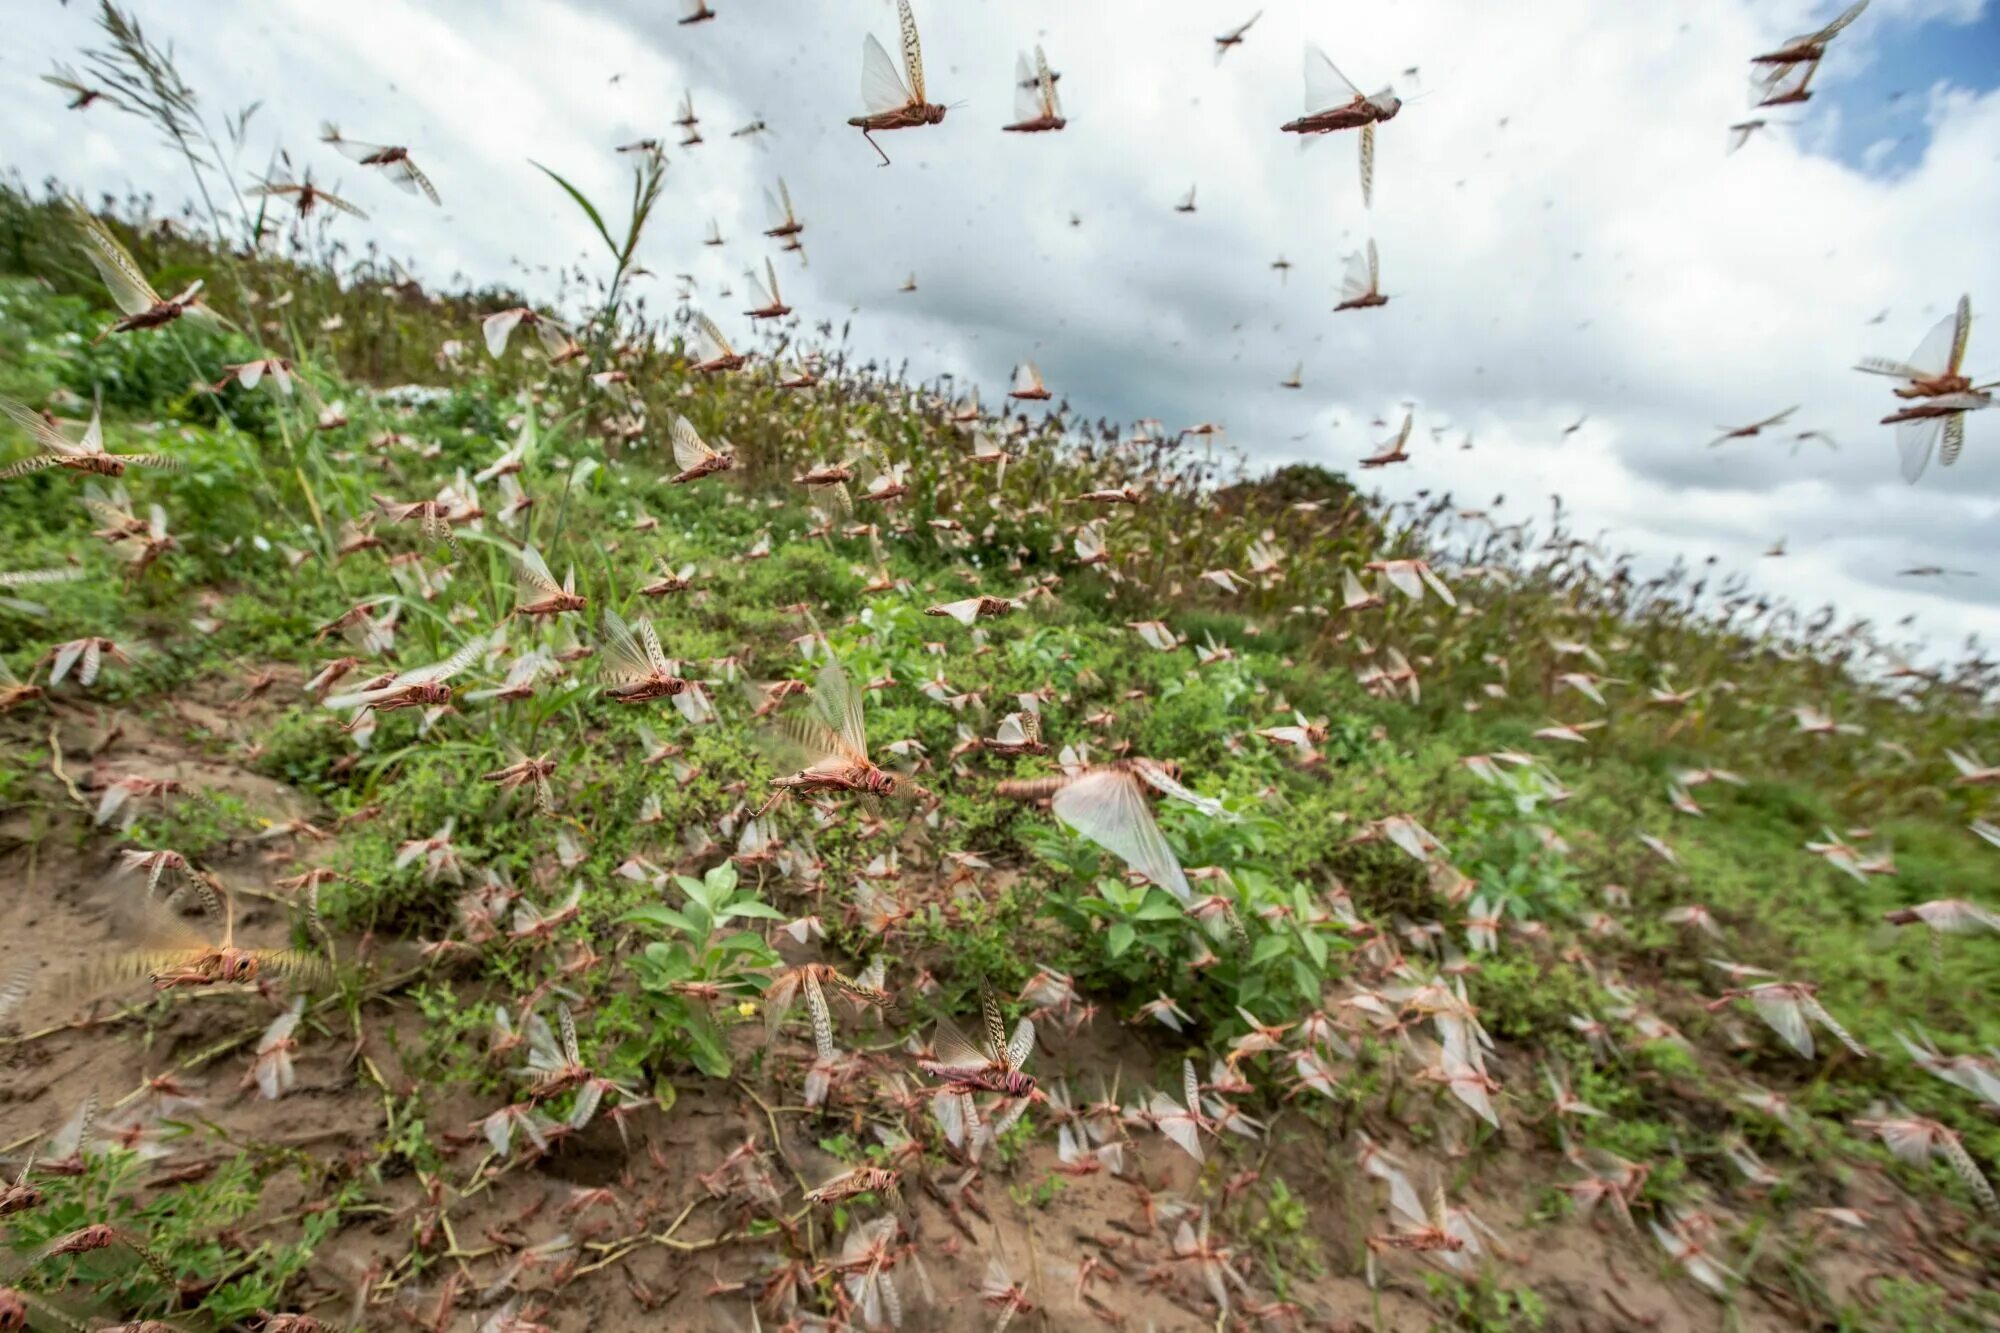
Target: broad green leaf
pixel 1119 938
pixel 750 907
pixel 1271 946
pixel 659 914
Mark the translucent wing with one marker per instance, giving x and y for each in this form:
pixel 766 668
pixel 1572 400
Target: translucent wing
pixel 531 573
pixel 129 289
pixel 1177 1124
pixel 407 174
pixel 1357 283
pixel 913 51
pixel 771 276
pixel 1787 1018
pixel 499 328
pixel 881 86
pixel 1403 576
pixel 1047 82
pixel 955 1050
pixel 1027 379
pixel 838 705
pixel 1934 355
pixel 1027 90
pixel 1106 807
pixel 1832 29
pixel 468 653
pixel 1916 438
pixel 624 661
pixel 1326 86
pixel 714 346
pixel 352 149
pixel 690 450
pixel 47 437
pixel 1374 267
pixel 1368 165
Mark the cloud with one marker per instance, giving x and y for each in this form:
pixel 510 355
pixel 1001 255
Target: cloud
pixel 1561 230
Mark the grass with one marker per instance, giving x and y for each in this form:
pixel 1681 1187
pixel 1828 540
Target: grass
pixel 683 942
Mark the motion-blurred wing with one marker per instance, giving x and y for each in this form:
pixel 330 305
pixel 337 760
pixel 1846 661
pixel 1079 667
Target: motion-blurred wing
pixel 1107 808
pixel 838 705
pixel 1934 354
pixel 1326 86
pixel 1916 438
pixel 1355 284
pixel 690 450
pixel 130 291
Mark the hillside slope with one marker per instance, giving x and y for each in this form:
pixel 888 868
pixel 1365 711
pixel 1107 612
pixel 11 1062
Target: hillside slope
pixel 1487 876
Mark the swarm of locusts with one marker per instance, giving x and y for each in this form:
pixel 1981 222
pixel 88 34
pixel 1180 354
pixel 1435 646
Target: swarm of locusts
pixel 918 865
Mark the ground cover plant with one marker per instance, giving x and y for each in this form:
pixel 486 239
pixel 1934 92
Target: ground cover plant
pixel 512 821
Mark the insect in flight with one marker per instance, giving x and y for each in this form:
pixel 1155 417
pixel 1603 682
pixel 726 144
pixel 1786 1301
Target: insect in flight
pixel 144 308
pixel 772 303
pixel 714 354
pixel 1036 109
pixel 56 450
pixel 180 955
pixel 304 195
pixel 1028 383
pixel 1234 37
pixel 993 1066
pixel 837 735
pixel 394 161
pixel 892 103
pixel 1334 103
pixel 695 456
pixel 1361 289
pixel 1106 803
pixel 636 669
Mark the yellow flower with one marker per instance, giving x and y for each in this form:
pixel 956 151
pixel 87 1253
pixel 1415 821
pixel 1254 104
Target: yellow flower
pixel 746 1008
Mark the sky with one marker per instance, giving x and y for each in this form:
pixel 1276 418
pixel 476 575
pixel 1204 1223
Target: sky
pixel 1563 234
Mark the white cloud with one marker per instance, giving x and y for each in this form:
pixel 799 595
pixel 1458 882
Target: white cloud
pixel 1599 253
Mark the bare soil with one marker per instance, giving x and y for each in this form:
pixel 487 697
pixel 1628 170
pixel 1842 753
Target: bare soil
pixel 682 1265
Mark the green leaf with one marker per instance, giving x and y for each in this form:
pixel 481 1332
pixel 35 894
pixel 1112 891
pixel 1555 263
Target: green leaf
pixel 705 1048
pixel 750 907
pixel 1315 946
pixel 722 880
pixel 1271 946
pixel 1120 937
pixel 1158 907
pixel 744 941
pixel 589 209
pixel 659 914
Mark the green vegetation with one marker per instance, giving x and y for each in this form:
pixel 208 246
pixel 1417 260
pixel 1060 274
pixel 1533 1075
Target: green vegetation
pixel 1315 908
